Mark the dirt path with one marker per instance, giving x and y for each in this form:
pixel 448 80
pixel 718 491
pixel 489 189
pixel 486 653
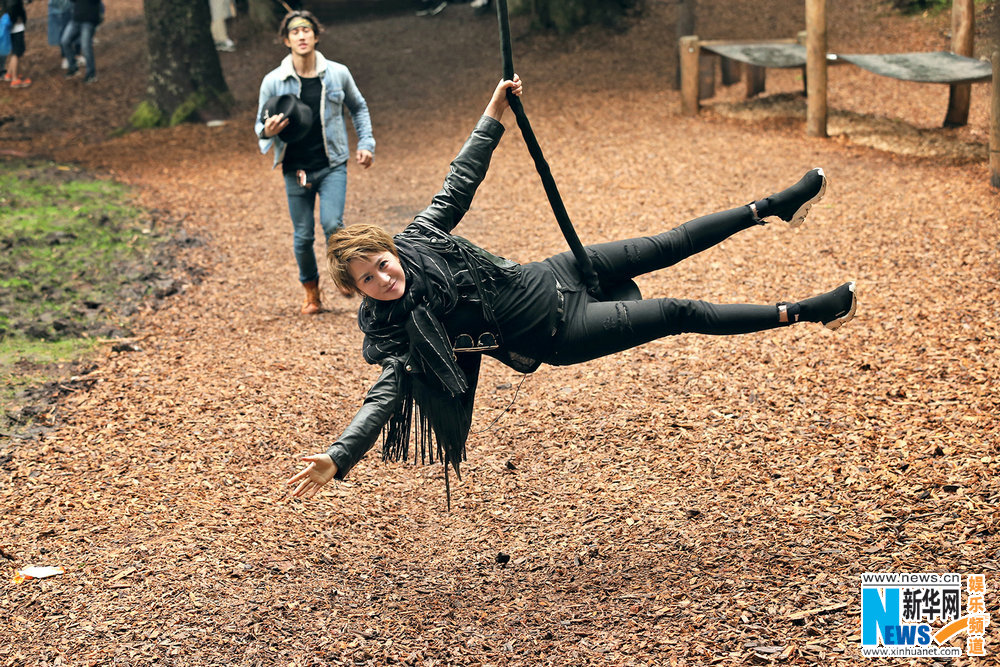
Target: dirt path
pixel 674 504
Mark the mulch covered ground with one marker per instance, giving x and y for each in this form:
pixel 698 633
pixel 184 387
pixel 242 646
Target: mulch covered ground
pixel 695 501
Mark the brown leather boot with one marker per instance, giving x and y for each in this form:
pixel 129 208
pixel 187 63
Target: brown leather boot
pixel 312 304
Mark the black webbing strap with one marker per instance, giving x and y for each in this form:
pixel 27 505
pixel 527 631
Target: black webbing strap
pixel 549 183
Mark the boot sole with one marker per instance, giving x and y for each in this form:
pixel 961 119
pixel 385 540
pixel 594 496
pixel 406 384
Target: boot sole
pixel 800 215
pixel 833 325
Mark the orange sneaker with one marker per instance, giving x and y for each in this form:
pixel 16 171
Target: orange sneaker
pixel 20 83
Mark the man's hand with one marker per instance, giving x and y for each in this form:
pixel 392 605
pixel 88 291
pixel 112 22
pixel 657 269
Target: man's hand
pixel 313 477
pixel 365 158
pixel 275 124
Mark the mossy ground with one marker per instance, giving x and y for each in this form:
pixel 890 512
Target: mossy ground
pixel 77 256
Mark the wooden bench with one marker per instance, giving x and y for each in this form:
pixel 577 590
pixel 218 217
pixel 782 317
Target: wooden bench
pixel 698 58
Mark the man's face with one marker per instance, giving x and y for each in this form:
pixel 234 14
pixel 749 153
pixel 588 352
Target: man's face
pixel 379 276
pixel 301 40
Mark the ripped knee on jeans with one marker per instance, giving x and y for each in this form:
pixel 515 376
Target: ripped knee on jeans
pixel 633 255
pixel 620 321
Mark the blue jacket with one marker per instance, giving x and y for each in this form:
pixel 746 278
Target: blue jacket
pixel 339 90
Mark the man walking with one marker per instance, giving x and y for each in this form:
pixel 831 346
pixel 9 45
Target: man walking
pixel 314 160
pixel 86 17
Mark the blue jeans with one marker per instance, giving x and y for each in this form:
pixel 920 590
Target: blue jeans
pixel 57 24
pixel 85 33
pixel 331 186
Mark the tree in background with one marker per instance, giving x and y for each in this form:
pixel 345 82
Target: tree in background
pixel 185 76
pixel 267 13
pixel 917 6
pixel 565 16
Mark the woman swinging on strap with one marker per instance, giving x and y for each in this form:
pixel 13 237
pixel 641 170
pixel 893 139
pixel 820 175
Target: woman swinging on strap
pixel 434 303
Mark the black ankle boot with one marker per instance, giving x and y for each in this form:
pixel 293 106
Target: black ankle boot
pixel 792 204
pixel 834 309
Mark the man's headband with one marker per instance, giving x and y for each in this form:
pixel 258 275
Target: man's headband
pixel 299 22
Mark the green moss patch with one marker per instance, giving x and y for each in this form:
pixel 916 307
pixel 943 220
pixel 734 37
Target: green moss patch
pixel 77 256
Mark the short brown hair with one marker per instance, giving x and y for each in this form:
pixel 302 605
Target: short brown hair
pixel 355 242
pixel 307 15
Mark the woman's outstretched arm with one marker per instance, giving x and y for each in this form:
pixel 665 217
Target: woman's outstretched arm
pixel 498 103
pixel 359 436
pixel 469 167
pixel 320 470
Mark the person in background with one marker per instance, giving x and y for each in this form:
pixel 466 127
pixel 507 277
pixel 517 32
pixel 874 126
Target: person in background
pixel 86 18
pixel 60 14
pixel 315 165
pixel 221 10
pixel 18 19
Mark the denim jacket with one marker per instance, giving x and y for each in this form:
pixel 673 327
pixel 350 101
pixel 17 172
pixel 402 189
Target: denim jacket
pixel 339 90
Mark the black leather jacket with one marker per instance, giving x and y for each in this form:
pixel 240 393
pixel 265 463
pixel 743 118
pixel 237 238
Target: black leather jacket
pixel 445 211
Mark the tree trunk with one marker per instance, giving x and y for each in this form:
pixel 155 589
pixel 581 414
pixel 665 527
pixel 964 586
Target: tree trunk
pixel 995 124
pixel 185 76
pixel 963 33
pixel 816 48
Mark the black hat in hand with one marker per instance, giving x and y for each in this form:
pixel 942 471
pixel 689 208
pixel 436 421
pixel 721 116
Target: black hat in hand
pixel 299 115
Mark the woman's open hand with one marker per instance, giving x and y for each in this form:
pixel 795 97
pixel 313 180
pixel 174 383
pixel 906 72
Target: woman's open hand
pixel 313 477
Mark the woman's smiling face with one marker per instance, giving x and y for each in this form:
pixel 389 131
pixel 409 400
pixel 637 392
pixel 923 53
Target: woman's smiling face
pixel 379 276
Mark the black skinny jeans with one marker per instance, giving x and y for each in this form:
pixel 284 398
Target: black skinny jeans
pixel 593 329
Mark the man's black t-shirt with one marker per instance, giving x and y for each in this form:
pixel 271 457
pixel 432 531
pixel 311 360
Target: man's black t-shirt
pixel 308 153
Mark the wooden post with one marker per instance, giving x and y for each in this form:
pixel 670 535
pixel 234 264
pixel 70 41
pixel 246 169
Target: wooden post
pixel 756 79
pixel 731 71
pixel 816 68
pixel 995 124
pixel 963 32
pixel 685 26
pixel 801 38
pixel 689 57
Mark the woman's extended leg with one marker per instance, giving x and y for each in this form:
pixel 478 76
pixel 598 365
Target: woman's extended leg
pixel 622 260
pixel 595 329
pixel 616 261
